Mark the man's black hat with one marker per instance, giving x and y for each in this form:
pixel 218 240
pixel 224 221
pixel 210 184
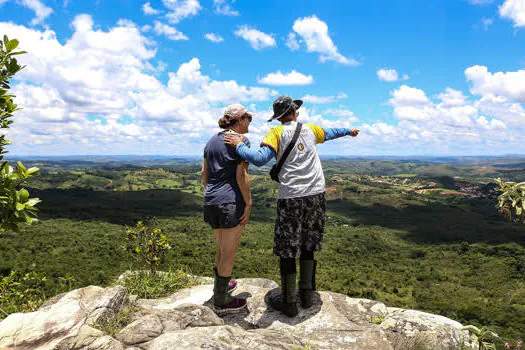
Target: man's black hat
pixel 283 105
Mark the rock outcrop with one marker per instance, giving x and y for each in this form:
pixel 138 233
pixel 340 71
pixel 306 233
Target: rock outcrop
pixel 183 321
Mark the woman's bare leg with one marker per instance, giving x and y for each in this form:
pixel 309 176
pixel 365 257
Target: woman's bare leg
pixel 218 239
pixel 228 248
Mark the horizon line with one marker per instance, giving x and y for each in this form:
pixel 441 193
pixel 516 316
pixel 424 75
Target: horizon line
pixel 321 155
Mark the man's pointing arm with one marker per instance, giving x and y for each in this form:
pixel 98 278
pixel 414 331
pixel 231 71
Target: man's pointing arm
pixel 257 157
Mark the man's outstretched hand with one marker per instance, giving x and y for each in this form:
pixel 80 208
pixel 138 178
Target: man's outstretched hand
pixel 233 140
pixel 354 132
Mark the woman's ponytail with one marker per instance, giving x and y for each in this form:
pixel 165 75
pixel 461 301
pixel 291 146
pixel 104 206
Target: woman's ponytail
pixel 226 122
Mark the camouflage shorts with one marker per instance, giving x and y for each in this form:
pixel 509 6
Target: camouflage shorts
pixel 299 225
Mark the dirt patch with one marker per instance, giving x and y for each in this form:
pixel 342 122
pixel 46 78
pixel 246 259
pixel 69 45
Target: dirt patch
pixel 456 193
pixel 333 193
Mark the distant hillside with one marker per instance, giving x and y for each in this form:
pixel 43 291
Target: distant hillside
pixel 121 207
pixel 397 232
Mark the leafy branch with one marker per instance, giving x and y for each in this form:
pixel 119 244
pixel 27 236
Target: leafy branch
pixel 485 337
pixel 511 202
pixel 15 205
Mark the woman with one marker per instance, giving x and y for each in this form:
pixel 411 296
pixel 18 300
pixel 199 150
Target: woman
pixel 227 202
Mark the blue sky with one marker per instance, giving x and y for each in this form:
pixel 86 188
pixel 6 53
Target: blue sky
pixel 152 77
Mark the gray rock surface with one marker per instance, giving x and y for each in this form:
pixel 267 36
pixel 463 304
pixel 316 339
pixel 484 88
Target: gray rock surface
pixel 60 325
pixel 105 343
pixel 145 328
pixel 184 321
pixel 435 328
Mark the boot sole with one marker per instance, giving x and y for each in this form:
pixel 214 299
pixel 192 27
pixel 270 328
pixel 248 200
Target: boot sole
pixel 289 313
pixel 309 304
pixel 279 306
pixel 293 313
pixel 227 311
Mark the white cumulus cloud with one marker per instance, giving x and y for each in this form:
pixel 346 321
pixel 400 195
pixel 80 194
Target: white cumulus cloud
pixel 181 9
pixel 483 123
pixel 41 10
pixel 323 99
pixel 390 75
pixel 216 38
pixel 456 121
pixel 291 42
pixel 486 22
pixel 311 116
pixel 412 104
pixel 387 75
pixel 314 33
pixel 342 113
pixel 224 7
pixel 292 78
pixel 257 39
pixel 380 129
pixel 168 31
pixel 480 2
pixel 452 97
pixel 148 10
pixel 453 124
pixel 511 113
pixel 508 84
pixel 409 96
pixel 98 90
pixel 514 10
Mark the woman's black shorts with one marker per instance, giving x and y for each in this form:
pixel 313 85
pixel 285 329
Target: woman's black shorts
pixel 223 215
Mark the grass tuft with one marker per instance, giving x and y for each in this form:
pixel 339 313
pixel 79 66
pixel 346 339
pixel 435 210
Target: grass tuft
pixel 160 284
pixel 112 325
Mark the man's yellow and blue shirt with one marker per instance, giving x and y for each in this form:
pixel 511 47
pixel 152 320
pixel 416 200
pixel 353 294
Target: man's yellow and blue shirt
pixel 302 173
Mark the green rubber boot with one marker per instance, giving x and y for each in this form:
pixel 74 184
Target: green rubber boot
pixel 220 295
pixel 223 302
pixel 231 286
pixel 287 301
pixel 307 282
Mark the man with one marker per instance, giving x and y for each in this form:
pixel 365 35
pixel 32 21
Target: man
pixel 301 206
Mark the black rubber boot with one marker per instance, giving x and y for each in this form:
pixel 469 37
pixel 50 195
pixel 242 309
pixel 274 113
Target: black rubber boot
pixel 307 282
pixel 223 302
pixel 287 301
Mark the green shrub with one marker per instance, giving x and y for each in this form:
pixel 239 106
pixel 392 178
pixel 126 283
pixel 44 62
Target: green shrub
pixel 15 205
pixel 511 202
pixel 21 292
pixel 147 244
pixel 485 337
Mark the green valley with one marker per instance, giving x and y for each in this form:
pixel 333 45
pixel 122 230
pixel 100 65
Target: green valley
pixel 421 233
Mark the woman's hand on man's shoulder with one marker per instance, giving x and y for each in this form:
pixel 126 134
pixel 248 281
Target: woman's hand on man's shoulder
pixel 233 140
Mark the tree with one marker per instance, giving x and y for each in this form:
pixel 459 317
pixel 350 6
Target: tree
pixel 15 205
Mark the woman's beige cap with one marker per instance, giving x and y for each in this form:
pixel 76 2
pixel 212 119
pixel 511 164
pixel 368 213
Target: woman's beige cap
pixel 236 110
